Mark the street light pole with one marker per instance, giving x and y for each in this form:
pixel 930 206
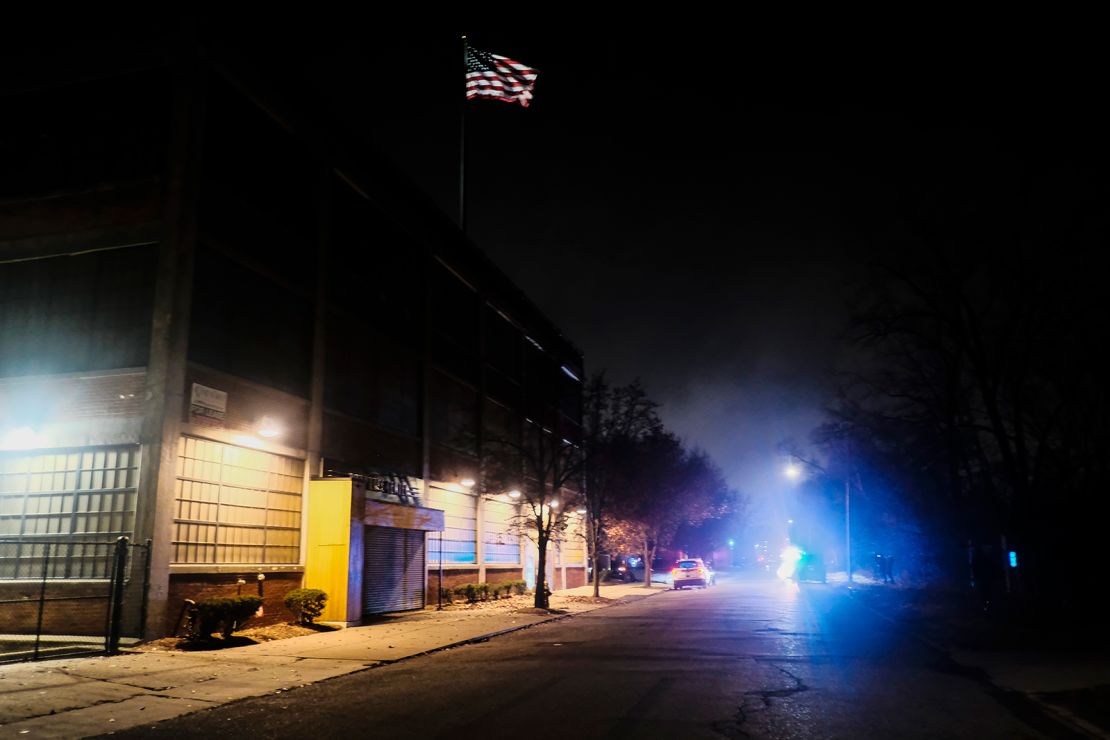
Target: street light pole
pixel 848 525
pixel 793 472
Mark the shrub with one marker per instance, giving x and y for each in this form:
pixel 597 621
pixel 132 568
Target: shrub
pixel 223 615
pixel 306 603
pixel 483 591
pixel 469 590
pixel 445 595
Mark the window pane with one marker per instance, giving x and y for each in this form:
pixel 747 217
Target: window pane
pixel 247 501
pixel 70 505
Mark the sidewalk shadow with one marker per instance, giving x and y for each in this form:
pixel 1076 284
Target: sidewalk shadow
pixel 214 643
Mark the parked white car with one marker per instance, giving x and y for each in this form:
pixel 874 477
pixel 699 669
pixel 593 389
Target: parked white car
pixel 691 572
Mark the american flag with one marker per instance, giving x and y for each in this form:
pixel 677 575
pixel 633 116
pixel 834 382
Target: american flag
pixel 492 76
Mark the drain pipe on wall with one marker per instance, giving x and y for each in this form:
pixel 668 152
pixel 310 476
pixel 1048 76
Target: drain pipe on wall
pixel 439 587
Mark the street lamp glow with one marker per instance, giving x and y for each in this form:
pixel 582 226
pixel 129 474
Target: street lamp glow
pixel 269 427
pixel 514 493
pixel 467 482
pixel 21 438
pixel 793 471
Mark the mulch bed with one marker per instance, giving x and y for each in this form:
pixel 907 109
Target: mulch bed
pixel 248 636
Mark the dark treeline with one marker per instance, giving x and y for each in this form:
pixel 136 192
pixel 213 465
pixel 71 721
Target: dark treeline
pixel 974 407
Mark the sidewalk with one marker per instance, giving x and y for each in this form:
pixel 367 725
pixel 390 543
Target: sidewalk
pixel 80 697
pixel 1058 667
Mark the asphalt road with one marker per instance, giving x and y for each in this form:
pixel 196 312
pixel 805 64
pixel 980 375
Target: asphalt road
pixel 747 658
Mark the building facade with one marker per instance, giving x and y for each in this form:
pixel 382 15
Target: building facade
pixel 211 298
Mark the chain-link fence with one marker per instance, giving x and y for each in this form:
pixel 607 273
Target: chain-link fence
pixel 65 597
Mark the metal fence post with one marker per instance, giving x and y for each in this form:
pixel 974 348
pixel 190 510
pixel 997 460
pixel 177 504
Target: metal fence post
pixel 146 589
pixel 42 596
pixel 119 566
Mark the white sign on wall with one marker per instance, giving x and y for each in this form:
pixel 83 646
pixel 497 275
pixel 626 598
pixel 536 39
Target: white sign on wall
pixel 208 402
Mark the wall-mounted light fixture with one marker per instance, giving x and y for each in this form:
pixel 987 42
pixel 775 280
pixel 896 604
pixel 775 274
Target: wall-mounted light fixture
pixel 581 510
pixel 22 438
pixel 247 440
pixel 467 483
pixel 269 427
pixel 514 494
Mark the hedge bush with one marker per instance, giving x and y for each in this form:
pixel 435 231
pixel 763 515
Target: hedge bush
pixel 306 603
pixel 221 615
pixel 511 587
pixel 474 592
pixel 467 590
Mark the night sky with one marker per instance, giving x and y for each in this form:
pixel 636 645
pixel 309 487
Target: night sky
pixel 696 213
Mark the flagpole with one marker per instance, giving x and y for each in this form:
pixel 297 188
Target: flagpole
pixel 462 147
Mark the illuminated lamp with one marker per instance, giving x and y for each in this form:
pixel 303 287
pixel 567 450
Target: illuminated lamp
pixel 247 440
pixel 514 493
pixel 269 427
pixel 22 438
pixel 467 482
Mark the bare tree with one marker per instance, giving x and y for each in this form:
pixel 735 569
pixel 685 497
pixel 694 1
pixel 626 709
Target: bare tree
pixel 546 468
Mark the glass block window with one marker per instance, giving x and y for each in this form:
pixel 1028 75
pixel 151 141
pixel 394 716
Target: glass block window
pixel 459 542
pixel 573 547
pixel 236 505
pixel 62 510
pixel 500 543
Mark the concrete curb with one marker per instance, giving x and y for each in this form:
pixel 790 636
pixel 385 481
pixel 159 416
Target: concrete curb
pixel 489 636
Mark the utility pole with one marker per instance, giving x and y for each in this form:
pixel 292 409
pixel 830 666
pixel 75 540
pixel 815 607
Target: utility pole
pixel 848 525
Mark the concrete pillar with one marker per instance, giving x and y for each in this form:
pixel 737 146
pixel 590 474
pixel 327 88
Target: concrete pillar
pixel 479 541
pixel 314 458
pixel 319 329
pixel 164 402
pixel 562 564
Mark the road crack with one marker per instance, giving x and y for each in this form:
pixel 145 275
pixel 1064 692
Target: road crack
pixel 754 702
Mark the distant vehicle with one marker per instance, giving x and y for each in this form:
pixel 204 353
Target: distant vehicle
pixel 634 569
pixel 620 571
pixel 811 567
pixel 691 572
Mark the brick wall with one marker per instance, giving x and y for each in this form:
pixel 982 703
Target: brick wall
pixel 247 403
pixel 71 608
pixel 498 575
pixel 200 586
pixel 83 410
pixel 575 577
pixel 118 206
pixel 451 578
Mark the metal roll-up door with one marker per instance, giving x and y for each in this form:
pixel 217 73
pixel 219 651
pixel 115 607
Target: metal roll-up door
pixel 393 573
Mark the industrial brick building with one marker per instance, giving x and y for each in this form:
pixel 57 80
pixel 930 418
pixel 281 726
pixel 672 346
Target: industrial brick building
pixel 213 300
